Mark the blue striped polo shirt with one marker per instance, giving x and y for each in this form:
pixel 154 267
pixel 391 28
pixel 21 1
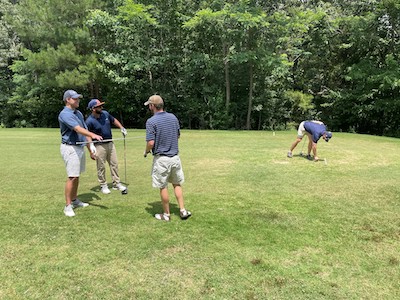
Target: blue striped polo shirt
pixel 164 129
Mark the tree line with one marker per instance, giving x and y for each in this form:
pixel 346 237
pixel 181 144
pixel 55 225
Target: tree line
pixel 243 64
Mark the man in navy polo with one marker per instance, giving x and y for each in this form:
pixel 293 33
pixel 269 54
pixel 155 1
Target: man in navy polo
pixel 100 123
pixel 73 132
pixel 314 130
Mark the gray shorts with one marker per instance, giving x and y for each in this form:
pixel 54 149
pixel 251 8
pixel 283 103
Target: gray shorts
pixel 166 170
pixel 74 159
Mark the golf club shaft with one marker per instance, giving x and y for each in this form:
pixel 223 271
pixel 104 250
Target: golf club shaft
pixel 125 159
pixel 109 140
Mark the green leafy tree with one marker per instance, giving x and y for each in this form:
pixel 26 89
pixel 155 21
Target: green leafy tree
pixel 57 55
pixel 218 64
pixel 9 50
pixel 127 57
pixel 232 37
pixel 368 101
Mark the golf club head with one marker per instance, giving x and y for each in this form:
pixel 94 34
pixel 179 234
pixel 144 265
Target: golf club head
pixel 125 191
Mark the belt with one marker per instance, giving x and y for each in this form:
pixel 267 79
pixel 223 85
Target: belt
pixel 166 155
pixel 69 144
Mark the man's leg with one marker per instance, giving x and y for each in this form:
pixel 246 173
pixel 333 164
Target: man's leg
pixel 165 200
pixel 113 162
pixel 179 195
pixel 71 189
pixel 100 164
pixel 310 142
pixel 300 135
pixel 296 142
pixel 184 214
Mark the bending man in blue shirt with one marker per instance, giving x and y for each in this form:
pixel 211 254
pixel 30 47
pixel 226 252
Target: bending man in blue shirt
pixel 314 130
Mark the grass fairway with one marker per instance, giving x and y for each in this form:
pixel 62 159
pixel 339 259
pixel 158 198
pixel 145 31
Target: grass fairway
pixel 263 227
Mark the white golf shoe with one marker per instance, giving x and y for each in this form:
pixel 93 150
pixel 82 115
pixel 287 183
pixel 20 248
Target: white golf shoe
pixel 163 217
pixel 105 189
pixel 185 214
pixel 78 203
pixel 69 211
pixel 119 186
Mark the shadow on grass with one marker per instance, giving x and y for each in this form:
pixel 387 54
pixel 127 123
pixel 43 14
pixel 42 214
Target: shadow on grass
pixel 156 208
pixel 89 197
pixel 97 188
pixel 301 156
pixel 305 157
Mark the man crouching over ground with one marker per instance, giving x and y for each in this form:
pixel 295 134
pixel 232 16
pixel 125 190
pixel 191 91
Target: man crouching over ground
pixel 314 130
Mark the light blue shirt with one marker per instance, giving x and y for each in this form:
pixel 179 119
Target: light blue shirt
pixel 69 119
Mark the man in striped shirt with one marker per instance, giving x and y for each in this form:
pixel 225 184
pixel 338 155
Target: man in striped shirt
pixel 162 134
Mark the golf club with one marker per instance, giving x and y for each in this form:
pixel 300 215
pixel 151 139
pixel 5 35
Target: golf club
pixel 124 192
pixel 109 140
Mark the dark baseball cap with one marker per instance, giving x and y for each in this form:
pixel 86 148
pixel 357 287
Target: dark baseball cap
pixel 94 103
pixel 328 136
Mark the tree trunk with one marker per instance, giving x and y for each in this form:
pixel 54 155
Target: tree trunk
pixel 151 80
pixel 250 105
pixel 227 78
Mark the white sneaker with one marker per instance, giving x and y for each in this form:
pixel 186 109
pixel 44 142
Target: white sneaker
pixel 119 186
pixel 162 217
pixel 69 211
pixel 78 203
pixel 105 189
pixel 185 214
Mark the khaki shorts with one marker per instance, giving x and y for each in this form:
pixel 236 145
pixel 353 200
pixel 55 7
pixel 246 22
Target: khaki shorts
pixel 74 159
pixel 301 130
pixel 166 170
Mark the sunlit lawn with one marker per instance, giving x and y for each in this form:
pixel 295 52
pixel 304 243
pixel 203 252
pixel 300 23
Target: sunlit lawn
pixel 263 227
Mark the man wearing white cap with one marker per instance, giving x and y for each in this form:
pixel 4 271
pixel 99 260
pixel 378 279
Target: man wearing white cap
pixel 73 132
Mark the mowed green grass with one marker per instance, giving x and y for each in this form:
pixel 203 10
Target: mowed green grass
pixel 263 227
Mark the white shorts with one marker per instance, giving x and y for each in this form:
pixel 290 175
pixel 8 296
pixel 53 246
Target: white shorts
pixel 301 130
pixel 74 159
pixel 166 170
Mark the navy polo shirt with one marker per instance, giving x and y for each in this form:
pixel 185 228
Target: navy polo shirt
pixel 316 130
pixel 101 125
